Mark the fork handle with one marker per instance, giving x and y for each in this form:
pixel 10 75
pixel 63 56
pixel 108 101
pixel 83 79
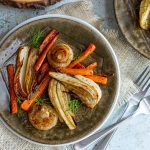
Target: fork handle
pixel 92 139
pixel 102 145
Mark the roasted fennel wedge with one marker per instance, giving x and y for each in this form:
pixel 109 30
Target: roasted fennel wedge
pixel 145 14
pixel 60 103
pixel 86 89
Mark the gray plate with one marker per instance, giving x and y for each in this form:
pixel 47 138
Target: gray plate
pixel 78 34
pixel 127 17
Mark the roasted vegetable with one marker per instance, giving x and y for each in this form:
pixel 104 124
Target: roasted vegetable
pixel 83 56
pixel 45 68
pixel 30 76
pixel 79 66
pixel 21 65
pixel 13 98
pixel 43 54
pixel 98 79
pixel 76 71
pixel 39 91
pixel 60 55
pixel 86 89
pixel 47 39
pixel 145 14
pixel 92 66
pixel 60 101
pixel 43 117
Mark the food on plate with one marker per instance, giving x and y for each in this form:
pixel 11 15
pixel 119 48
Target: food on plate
pixel 47 39
pixel 86 89
pixel 29 3
pixel 21 65
pixel 42 117
pixel 13 98
pixel 76 71
pixel 44 52
pixel 48 69
pixel 60 55
pixel 92 66
pixel 145 14
pixel 79 66
pixel 60 101
pixel 38 93
pixel 30 73
pixel 45 68
pixel 83 56
pixel 101 79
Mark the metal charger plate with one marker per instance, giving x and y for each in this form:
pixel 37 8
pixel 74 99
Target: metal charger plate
pixel 89 121
pixel 127 17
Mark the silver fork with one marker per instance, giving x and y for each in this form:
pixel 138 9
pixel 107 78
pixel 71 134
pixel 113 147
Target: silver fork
pixel 134 100
pixel 143 83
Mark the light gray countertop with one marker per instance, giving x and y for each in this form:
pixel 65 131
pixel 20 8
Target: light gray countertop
pixel 135 134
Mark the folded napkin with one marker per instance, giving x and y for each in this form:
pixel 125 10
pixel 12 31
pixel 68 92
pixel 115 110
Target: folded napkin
pixel 131 64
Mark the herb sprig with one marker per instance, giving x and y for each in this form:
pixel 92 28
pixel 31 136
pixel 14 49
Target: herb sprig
pixel 19 100
pixel 74 105
pixel 41 101
pixel 36 39
pixel 78 55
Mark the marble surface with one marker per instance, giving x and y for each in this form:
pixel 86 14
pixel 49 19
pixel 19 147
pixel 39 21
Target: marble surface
pixel 132 135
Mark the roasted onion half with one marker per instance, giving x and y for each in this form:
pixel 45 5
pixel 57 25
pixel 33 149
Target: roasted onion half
pixel 42 117
pixel 60 55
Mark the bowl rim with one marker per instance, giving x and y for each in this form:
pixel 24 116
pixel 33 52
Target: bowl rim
pixel 100 35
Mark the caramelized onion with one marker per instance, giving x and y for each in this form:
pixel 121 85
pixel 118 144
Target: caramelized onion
pixel 60 55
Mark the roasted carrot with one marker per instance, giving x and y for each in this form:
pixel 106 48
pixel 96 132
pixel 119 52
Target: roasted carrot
pixel 39 91
pixel 92 66
pixel 43 71
pixel 84 55
pixel 44 53
pixel 76 71
pixel 79 66
pixel 47 39
pixel 99 79
pixel 13 98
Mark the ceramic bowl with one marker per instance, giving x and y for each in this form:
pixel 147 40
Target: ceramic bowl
pixel 78 34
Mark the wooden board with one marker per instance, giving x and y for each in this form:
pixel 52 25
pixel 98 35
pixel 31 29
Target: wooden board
pixel 29 3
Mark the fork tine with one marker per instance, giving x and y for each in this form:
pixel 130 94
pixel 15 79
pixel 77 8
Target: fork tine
pixel 147 84
pixel 141 80
pixel 145 81
pixel 147 91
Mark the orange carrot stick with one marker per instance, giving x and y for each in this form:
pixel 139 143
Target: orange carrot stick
pixel 84 55
pixel 13 98
pixel 92 66
pixel 76 71
pixel 44 53
pixel 99 79
pixel 39 91
pixel 47 39
pixel 79 66
pixel 43 71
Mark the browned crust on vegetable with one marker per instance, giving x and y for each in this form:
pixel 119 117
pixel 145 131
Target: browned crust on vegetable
pixel 29 3
pixel 13 99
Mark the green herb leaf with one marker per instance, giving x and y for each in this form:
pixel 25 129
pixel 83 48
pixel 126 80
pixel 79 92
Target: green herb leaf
pixel 41 101
pixel 78 55
pixel 74 105
pixel 37 36
pixel 19 100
